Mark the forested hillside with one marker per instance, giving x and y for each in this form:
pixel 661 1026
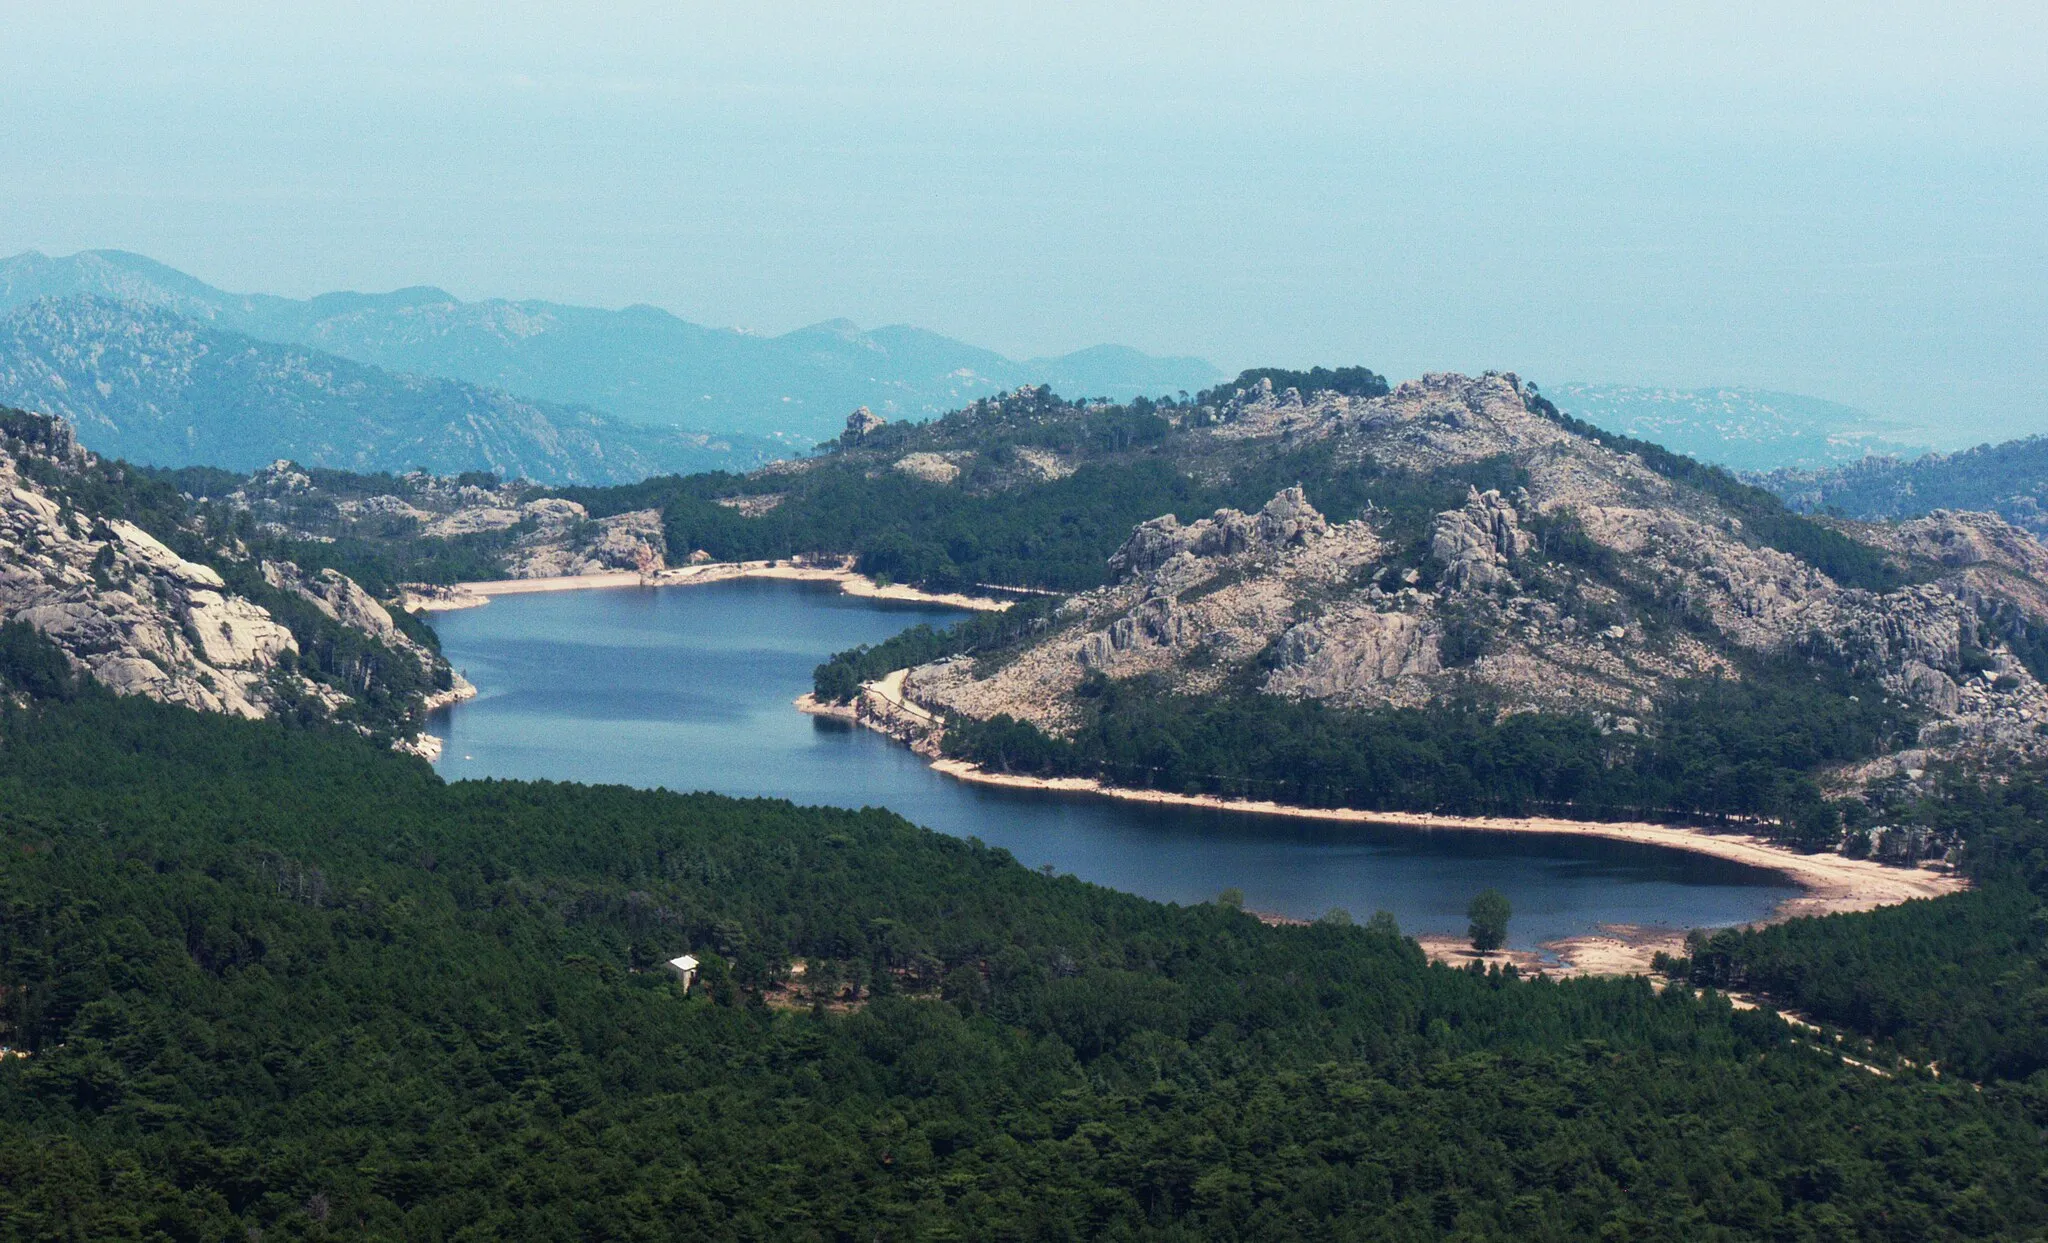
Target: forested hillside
pixel 1961 983
pixel 2010 480
pixel 320 995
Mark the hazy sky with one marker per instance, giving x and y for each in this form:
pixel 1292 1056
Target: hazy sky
pixel 1845 200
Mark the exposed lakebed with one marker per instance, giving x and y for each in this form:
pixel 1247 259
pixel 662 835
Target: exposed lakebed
pixel 689 688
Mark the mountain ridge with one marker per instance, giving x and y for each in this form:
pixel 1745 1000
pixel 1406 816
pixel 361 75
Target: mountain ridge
pixel 641 363
pixel 155 387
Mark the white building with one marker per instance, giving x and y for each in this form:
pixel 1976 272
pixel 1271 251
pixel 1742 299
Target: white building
pixel 685 968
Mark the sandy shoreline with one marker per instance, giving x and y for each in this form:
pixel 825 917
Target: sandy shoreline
pixel 1829 883
pixel 1833 883
pixel 853 583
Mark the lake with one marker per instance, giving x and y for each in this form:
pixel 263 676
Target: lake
pixel 689 688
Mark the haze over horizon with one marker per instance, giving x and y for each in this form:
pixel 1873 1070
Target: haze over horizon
pixel 1822 201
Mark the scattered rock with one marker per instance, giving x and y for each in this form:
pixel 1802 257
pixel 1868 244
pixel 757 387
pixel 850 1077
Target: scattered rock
pixel 939 468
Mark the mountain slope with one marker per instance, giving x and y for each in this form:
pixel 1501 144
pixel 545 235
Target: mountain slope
pixel 139 596
pixel 1742 429
pixel 1583 580
pixel 640 363
pixel 2010 480
pixel 1669 638
pixel 151 386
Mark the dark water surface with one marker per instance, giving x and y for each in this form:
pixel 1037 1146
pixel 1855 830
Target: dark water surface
pixel 689 688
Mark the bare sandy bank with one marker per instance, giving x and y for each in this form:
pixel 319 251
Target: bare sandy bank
pixel 851 582
pixel 1832 883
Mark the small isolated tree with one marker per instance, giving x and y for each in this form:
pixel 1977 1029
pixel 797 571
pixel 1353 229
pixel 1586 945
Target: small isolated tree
pixel 1232 896
pixel 1489 915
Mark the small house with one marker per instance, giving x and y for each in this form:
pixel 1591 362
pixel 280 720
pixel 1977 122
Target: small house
pixel 685 969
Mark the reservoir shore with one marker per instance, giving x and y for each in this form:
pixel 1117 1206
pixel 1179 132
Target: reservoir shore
pixel 1830 883
pixel 424 599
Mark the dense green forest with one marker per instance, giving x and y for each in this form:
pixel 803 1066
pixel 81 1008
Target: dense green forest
pixel 288 983
pixel 1962 982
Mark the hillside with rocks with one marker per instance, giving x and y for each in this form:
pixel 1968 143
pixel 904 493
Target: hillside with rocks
pixel 510 529
pixel 151 386
pixel 140 598
pixel 1597 578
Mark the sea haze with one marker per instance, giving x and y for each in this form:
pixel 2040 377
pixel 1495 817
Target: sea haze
pixel 691 689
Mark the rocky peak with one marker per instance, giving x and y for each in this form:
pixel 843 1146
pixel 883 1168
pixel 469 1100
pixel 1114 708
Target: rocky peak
pixel 859 424
pixel 281 476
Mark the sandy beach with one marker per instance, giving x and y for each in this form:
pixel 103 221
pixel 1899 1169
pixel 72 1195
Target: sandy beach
pixel 853 583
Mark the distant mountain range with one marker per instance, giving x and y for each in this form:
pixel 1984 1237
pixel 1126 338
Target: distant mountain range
pixel 641 363
pixel 1742 429
pixel 2010 480
pixel 153 386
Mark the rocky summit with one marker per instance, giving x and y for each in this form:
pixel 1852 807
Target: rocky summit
pixel 1601 577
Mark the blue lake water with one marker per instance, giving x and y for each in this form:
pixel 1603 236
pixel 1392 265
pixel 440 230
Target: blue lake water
pixel 689 688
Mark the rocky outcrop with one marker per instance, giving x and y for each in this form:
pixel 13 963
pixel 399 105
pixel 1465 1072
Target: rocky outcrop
pixel 1288 520
pixel 1353 654
pixel 1478 545
pixel 142 619
pixel 860 424
pixel 565 543
pixel 938 468
pixel 1960 539
pixel 130 611
pixel 541 536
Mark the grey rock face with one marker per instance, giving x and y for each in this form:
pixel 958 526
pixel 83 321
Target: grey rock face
pixel 142 620
pixel 1287 520
pixel 566 544
pixel 1478 544
pixel 1352 652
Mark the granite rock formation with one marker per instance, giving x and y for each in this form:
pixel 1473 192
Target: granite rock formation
pixel 1644 582
pixel 141 618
